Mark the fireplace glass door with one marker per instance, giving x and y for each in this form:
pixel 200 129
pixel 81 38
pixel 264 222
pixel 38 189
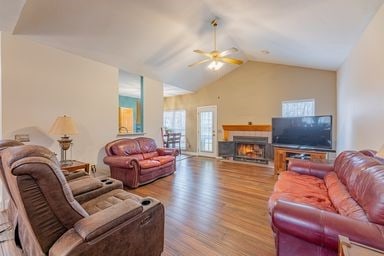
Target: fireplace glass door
pixel 249 150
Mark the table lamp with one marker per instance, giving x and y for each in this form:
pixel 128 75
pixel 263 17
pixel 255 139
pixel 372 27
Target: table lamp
pixel 64 126
pixel 380 153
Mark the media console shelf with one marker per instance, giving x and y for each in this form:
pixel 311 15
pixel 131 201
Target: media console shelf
pixel 283 155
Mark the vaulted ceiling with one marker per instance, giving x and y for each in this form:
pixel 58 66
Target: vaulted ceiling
pixel 155 38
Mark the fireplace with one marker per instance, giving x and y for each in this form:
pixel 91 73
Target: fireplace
pixel 247 148
pixel 251 151
pixel 250 148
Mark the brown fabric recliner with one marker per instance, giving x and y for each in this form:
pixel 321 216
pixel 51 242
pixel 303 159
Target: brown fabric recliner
pixel 139 161
pixel 52 222
pixel 83 186
pixel 11 209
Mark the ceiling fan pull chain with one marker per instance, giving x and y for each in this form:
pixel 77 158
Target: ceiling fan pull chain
pixel 214 24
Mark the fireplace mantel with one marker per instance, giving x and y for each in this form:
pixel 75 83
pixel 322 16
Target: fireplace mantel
pixel 238 127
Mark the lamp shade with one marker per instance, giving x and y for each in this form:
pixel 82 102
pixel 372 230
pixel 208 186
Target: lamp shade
pixel 380 153
pixel 63 125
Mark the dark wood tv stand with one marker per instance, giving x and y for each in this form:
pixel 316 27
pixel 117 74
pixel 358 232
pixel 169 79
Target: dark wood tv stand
pixel 284 154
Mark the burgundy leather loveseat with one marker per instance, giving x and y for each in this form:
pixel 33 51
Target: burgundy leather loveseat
pixel 313 203
pixel 139 161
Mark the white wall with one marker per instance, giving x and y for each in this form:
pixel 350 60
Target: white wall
pixel 360 91
pixel 41 83
pixel 153 109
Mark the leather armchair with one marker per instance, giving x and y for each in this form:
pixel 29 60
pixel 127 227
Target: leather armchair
pixel 52 222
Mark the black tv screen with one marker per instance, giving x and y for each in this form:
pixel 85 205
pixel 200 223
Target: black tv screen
pixel 307 131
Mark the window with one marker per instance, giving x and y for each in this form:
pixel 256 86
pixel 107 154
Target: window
pixel 130 103
pixel 298 108
pixel 174 121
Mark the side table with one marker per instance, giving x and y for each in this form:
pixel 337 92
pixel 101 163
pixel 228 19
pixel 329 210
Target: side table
pixel 350 248
pixel 74 165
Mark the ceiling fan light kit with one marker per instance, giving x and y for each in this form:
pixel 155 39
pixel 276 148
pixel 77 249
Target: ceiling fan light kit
pixel 216 57
pixel 215 65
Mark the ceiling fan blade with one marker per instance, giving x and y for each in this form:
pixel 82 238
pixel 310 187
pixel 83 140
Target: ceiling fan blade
pixel 199 62
pixel 209 55
pixel 227 52
pixel 215 56
pixel 230 61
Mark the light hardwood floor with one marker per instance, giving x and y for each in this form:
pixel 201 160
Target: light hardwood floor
pixel 212 208
pixel 215 208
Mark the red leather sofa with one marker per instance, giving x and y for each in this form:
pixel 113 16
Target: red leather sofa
pixel 313 203
pixel 139 161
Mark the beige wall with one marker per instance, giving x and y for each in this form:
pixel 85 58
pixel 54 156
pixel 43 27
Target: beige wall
pixel 3 193
pixel 1 98
pixel 360 91
pixel 41 83
pixel 254 92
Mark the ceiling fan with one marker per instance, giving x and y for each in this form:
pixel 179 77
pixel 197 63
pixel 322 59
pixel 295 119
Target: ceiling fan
pixel 217 58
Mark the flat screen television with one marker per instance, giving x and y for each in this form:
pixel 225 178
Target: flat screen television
pixel 303 132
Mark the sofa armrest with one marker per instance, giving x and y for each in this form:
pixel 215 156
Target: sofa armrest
pixel 322 227
pixel 168 151
pixel 66 244
pixel 73 175
pixel 121 161
pixel 310 168
pixel 93 226
pixel 368 152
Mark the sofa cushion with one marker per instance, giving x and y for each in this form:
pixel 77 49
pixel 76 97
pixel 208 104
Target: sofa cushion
pixel 126 147
pixel 84 185
pixel 146 144
pixel 107 200
pixel 150 155
pixel 303 189
pixel 350 164
pixel 290 181
pixel 369 190
pixel 342 199
pixel 109 184
pixel 148 163
pixel 164 159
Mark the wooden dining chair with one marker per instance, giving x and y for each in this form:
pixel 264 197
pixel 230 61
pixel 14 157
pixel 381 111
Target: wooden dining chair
pixel 174 139
pixel 164 137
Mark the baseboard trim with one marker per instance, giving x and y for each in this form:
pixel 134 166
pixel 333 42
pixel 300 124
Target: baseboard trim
pixel 189 153
pixel 269 165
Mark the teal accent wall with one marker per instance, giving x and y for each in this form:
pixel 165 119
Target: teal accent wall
pixel 129 102
pixel 134 103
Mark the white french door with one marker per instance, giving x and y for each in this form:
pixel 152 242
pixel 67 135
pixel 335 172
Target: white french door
pixel 206 131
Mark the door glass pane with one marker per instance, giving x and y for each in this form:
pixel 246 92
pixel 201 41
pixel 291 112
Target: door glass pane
pixel 206 131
